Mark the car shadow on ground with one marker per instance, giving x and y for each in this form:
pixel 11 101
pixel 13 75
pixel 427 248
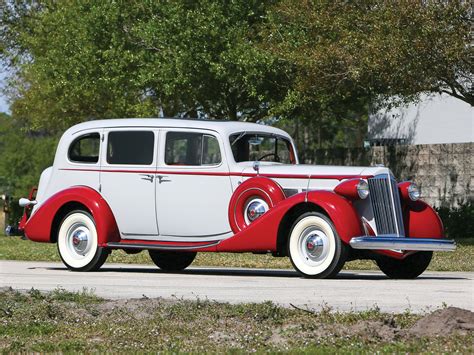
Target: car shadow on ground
pixel 345 274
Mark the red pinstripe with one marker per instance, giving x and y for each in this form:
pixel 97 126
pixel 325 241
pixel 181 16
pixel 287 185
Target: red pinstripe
pixel 205 173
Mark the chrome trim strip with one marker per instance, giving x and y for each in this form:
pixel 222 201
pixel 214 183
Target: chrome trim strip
pixel 395 242
pixel 392 200
pixel 116 245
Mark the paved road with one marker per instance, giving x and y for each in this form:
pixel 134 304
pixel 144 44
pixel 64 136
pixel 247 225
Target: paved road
pixel 352 290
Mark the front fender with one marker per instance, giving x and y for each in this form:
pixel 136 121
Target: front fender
pixel 341 212
pixel 422 221
pixel 39 226
pixel 262 234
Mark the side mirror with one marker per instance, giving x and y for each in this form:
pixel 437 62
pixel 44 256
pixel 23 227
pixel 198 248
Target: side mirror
pixel 256 166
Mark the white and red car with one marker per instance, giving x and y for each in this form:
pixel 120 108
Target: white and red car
pixel 178 187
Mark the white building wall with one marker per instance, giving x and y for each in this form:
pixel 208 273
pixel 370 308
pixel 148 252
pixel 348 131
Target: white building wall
pixel 435 119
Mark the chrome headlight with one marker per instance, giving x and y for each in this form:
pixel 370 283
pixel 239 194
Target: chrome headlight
pixel 363 189
pixel 413 192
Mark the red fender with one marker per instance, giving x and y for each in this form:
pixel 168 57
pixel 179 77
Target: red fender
pixel 341 212
pixel 262 187
pixel 422 221
pixel 262 234
pixel 39 225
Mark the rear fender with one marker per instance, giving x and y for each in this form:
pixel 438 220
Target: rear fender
pixel 39 226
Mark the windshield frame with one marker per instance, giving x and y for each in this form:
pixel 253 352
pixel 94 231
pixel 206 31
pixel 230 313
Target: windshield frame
pixel 287 140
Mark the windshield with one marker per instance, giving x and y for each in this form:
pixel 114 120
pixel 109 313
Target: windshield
pixel 261 147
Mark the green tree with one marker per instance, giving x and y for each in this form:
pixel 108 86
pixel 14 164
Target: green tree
pixel 24 154
pixel 72 62
pixel 350 57
pixel 312 66
pixel 79 60
pixel 205 54
pixel 376 49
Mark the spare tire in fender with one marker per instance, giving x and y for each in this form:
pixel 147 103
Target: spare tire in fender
pixel 261 189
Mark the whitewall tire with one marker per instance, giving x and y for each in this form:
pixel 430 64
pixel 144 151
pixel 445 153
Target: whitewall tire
pixel 78 242
pixel 314 247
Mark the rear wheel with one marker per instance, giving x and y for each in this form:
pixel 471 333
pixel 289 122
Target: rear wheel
pixel 78 243
pixel 409 268
pixel 172 260
pixel 314 247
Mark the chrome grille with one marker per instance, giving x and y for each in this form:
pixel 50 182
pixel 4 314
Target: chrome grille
pixel 385 200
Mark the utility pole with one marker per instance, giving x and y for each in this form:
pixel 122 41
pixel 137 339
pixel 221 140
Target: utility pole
pixel 5 211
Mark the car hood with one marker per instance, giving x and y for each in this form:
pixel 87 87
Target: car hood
pixel 316 171
pixel 302 176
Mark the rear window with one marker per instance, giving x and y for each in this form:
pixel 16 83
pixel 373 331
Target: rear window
pixel 193 149
pixel 130 147
pixel 85 149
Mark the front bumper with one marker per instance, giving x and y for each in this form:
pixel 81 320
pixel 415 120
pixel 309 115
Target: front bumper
pixel 393 242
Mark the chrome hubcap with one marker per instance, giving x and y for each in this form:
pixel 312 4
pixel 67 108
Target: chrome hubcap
pixel 314 245
pixel 255 209
pixel 78 239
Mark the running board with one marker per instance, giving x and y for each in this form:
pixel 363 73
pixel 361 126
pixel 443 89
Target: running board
pixel 402 243
pixel 115 245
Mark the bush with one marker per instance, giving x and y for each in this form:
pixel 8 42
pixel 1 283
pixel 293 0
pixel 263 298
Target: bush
pixel 458 221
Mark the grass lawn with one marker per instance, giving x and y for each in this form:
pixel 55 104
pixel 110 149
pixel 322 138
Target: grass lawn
pixel 14 248
pixel 62 321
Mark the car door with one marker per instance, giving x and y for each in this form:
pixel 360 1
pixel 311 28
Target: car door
pixel 193 187
pixel 128 180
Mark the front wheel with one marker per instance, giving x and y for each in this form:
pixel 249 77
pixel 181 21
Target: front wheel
pixel 172 260
pixel 78 243
pixel 314 247
pixel 409 268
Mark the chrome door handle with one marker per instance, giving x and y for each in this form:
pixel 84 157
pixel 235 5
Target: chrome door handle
pixel 162 178
pixel 147 177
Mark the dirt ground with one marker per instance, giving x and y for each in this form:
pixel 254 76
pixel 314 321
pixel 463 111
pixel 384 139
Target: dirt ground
pixel 62 321
pixel 440 323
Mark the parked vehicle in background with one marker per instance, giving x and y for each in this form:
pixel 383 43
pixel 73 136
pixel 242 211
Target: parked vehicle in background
pixel 178 187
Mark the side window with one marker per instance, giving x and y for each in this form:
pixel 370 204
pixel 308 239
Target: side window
pixel 211 153
pixel 192 149
pixel 130 147
pixel 85 149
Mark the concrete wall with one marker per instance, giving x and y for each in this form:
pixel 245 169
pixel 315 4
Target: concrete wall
pixel 445 172
pixel 435 119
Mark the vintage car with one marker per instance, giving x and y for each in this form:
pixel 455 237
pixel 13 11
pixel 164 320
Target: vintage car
pixel 178 187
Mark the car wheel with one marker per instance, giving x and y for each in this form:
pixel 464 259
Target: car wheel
pixel 172 260
pixel 409 268
pixel 78 243
pixel 314 247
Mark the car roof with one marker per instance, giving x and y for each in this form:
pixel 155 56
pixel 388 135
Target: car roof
pixel 220 126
